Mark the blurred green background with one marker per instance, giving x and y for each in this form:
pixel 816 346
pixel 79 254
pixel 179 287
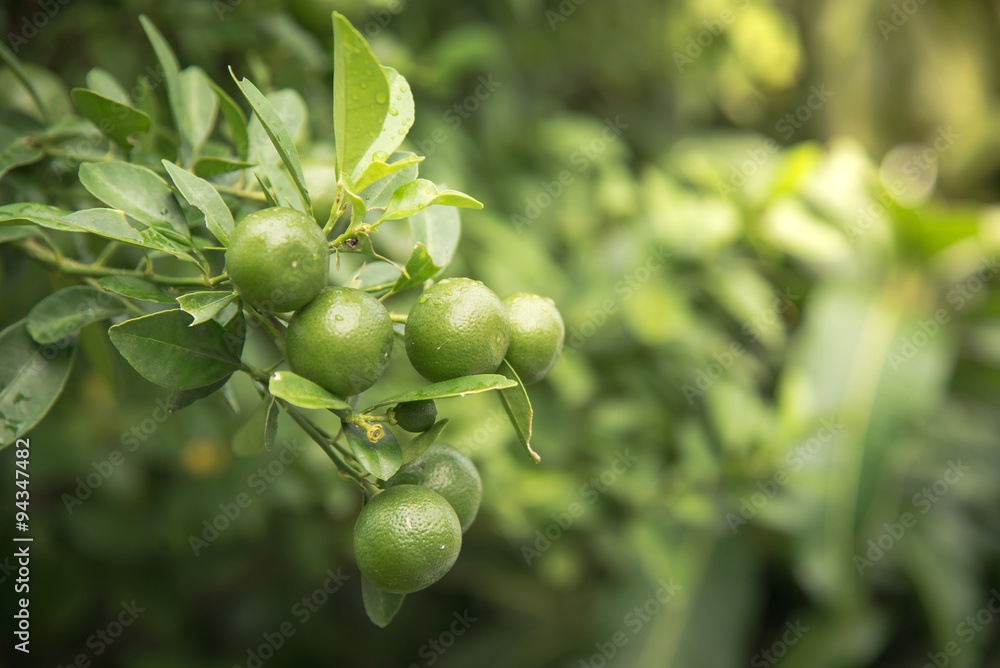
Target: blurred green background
pixel 772 437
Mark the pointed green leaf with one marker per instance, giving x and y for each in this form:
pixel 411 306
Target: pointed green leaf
pixel 137 191
pixel 360 95
pixel 378 169
pixel 106 85
pixel 202 195
pixel 456 387
pixel 201 106
pixel 235 120
pixel 32 376
pixel 438 228
pixel 271 423
pixel 381 606
pixel 381 458
pixel 17 153
pixel 377 195
pixel 116 120
pixel 42 215
pixel 417 195
pixel 112 224
pixel 302 392
pixel 419 267
pixel 424 440
pixel 277 132
pixel 165 350
pixel 396 124
pixel 204 305
pixel 268 196
pixel 172 79
pixel 517 405
pixel 65 311
pixel 8 57
pixel 183 398
pixel 135 288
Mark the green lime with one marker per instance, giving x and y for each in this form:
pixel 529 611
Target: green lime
pixel 458 327
pixel 406 538
pixel 449 473
pixel 416 415
pixel 277 259
pixel 341 340
pixel 536 335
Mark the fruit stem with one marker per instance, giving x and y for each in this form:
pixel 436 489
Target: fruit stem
pixel 323 442
pixel 398 317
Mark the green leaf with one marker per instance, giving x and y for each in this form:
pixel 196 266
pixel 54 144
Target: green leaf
pixel 165 350
pixel 32 376
pixel 115 119
pixel 424 440
pixel 8 57
pixel 268 196
pixel 438 228
pixel 17 153
pixel 137 191
pixel 105 84
pixel 201 106
pixel 395 125
pixel 381 606
pixel 456 387
pixel 419 267
pixel 517 405
pixel 236 120
pixel 302 392
pixel 171 75
pixel 381 458
pixel 202 195
pixel 417 195
pixel 65 311
pixel 112 224
pixel 135 288
pixel 294 113
pixel 204 305
pixel 377 170
pixel 15 232
pixel 271 423
pixel 277 132
pixel 250 438
pixel 42 215
pixel 377 195
pixel 208 167
pixel 183 398
pixel 360 95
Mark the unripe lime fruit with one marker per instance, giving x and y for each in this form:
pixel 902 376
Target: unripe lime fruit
pixel 277 259
pixel 451 474
pixel 458 327
pixel 536 335
pixel 341 340
pixel 406 538
pixel 415 415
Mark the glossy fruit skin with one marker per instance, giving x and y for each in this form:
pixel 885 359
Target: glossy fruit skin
pixel 341 340
pixel 458 327
pixel 451 474
pixel 536 335
pixel 416 416
pixel 277 259
pixel 406 538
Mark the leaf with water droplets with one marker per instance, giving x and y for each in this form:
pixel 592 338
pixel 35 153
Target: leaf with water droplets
pixel 396 124
pixel 360 95
pixel 32 376
pixel 137 191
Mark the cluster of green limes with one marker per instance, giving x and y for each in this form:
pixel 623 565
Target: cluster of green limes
pixel 408 535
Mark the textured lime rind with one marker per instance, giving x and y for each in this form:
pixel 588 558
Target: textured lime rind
pixel 536 335
pixel 451 474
